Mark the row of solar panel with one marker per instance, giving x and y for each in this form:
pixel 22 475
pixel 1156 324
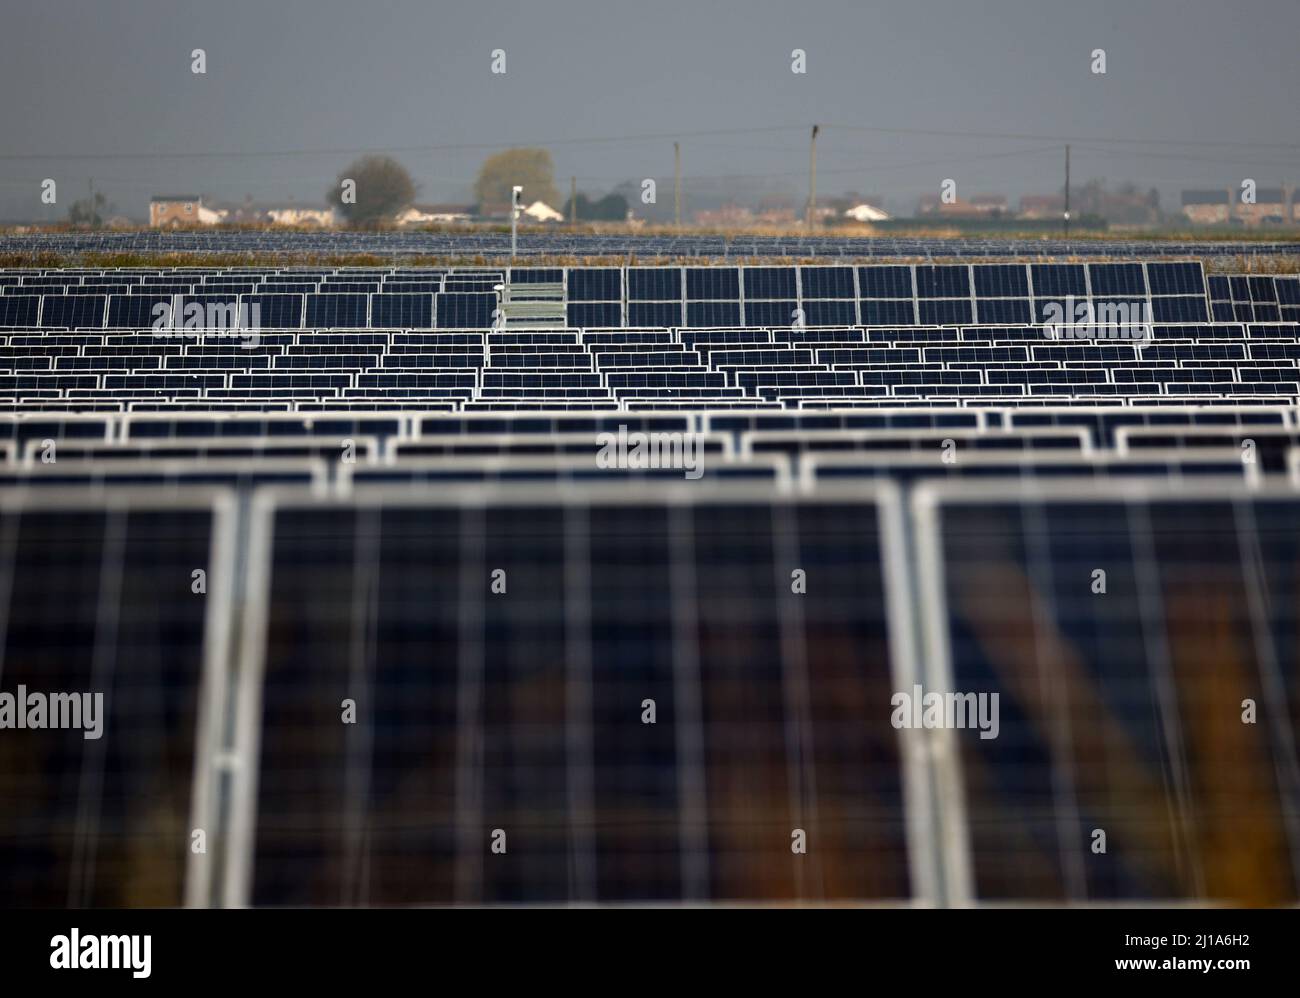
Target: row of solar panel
pixel 1102 423
pixel 1257 448
pixel 706 283
pixel 460 311
pixel 501 750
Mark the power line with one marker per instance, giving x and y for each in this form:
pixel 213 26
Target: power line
pixel 647 137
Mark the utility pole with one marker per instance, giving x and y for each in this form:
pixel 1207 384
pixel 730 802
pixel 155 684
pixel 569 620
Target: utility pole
pixel 514 220
pixel 812 178
pixel 573 200
pixel 1067 191
pixel 677 184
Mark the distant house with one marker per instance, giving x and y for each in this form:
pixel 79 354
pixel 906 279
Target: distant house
pixel 175 210
pixel 979 206
pixel 866 213
pixel 435 214
pixel 540 211
pixel 1042 206
pixel 1272 207
pixel 290 213
pixel 1207 207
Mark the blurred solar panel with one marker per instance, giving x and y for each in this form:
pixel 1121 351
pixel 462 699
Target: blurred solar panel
pixel 514 711
pixel 97 599
pixel 1124 629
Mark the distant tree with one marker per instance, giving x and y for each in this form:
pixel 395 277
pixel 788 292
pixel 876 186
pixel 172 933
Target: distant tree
pixel 530 169
pixel 382 189
pixel 610 208
pixel 89 211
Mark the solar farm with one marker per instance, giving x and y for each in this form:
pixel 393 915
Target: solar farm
pixel 857 582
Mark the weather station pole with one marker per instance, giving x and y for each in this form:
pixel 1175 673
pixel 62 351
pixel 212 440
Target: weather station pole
pixel 514 220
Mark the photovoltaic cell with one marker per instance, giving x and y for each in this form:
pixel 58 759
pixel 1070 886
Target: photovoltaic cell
pixel 654 284
pixel 943 282
pixel 1176 278
pixel 827 282
pixel 885 282
pixel 1001 281
pixel 712 283
pixel 1117 279
pixel 770 282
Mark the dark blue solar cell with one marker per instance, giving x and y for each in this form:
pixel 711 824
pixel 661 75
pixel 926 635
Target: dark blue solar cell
pixel 1058 279
pixel 827 282
pixel 885 282
pixel 712 313
pixel 589 314
pixel 532 275
pixel 943 282
pixel 1003 280
pixel 73 311
pixel 887 313
pixel 654 284
pixel 592 284
pixel 1188 308
pixel 1220 290
pixel 770 313
pixel 770 283
pixel 20 310
pixel 654 314
pixel 829 313
pixel 336 311
pixel 939 312
pixel 143 311
pixel 1175 278
pixel 401 311
pixel 1288 290
pixel 1004 311
pixel 1117 279
pixel 465 311
pixel 712 283
pixel 1262 290
pixel 275 311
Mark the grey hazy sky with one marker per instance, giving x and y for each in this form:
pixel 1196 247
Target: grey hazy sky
pixel 89 78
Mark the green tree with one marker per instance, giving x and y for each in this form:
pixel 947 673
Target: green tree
pixel 610 208
pixel 530 169
pixel 89 211
pixel 380 189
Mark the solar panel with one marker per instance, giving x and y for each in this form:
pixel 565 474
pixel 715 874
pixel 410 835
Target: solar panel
pixel 1126 629
pixel 644 709
pixel 100 610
